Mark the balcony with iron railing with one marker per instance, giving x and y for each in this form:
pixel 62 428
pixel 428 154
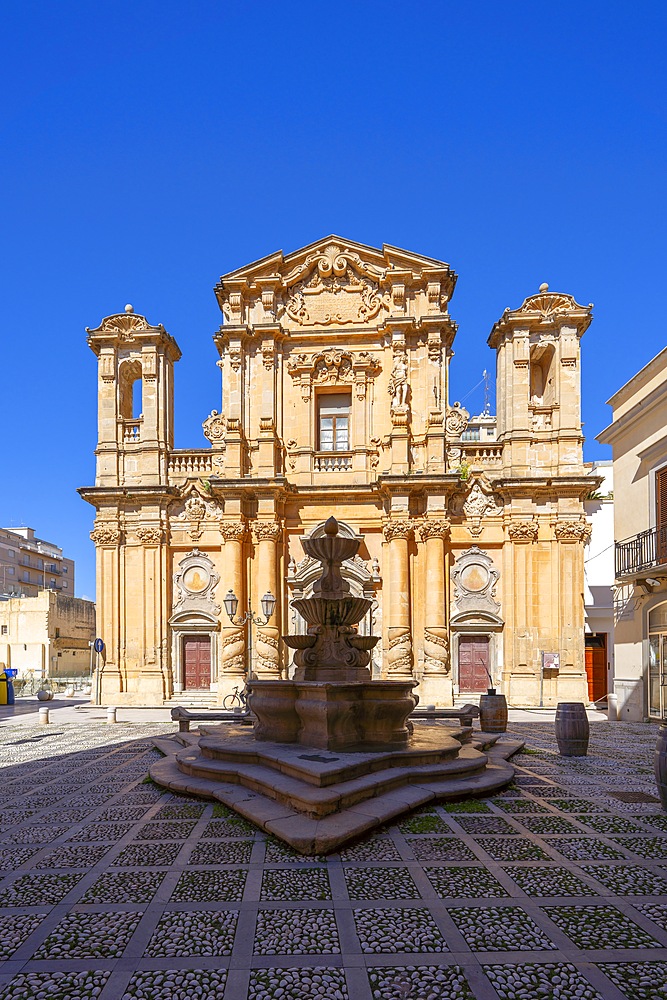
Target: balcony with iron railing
pixel 641 552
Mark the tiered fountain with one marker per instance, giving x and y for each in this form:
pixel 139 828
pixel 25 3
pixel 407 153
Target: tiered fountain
pixel 332 703
pixel 371 766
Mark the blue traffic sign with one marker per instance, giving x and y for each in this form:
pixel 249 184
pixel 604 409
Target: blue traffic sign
pixel 98 645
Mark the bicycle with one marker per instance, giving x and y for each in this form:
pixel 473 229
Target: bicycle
pixel 236 701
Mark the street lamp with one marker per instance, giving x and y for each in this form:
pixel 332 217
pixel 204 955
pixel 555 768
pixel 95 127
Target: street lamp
pixel 231 603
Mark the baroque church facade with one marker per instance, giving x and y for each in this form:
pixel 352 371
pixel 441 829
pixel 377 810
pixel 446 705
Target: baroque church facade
pixel 335 385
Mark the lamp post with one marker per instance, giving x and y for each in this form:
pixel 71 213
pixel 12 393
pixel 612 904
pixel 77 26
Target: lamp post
pixel 249 617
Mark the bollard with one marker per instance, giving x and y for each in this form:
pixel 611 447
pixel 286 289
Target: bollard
pixel 111 715
pixel 43 716
pixel 612 707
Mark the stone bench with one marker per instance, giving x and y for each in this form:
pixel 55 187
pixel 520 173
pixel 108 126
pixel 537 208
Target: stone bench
pixel 464 715
pixel 183 716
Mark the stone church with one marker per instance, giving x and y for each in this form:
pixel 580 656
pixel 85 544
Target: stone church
pixel 334 364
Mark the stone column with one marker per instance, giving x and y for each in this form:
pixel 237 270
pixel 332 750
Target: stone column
pixel 436 683
pixel 267 651
pixel 397 534
pixel 108 685
pixel 232 637
pixel 572 536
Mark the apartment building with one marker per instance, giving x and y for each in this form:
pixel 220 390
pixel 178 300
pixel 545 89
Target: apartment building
pixel 29 565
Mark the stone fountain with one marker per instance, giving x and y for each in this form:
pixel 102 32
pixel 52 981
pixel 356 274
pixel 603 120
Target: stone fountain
pixel 332 703
pixel 372 764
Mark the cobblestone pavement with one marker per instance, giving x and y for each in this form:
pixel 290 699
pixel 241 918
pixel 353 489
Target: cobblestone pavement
pixel 111 888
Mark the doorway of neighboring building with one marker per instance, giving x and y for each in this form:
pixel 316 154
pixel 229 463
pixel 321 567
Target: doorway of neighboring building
pixel 596 665
pixel 197 662
pixel 474 663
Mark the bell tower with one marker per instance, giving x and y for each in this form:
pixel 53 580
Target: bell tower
pixel 538 373
pixel 135 399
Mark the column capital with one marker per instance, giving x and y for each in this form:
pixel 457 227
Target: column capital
pixel 266 530
pixel 400 528
pixel 233 531
pixel 436 528
pixel 107 533
pixel 573 531
pixel 522 531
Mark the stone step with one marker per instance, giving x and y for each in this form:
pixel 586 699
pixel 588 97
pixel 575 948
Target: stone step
pixel 325 767
pixel 195 700
pixel 322 836
pixel 316 801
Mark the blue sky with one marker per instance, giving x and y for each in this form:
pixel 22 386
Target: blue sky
pixel 149 147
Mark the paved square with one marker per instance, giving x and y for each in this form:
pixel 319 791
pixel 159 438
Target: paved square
pixel 111 888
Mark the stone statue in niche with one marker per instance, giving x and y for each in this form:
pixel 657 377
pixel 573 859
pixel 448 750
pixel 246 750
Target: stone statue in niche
pixel 398 381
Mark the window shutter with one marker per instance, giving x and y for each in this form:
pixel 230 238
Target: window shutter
pixel 661 498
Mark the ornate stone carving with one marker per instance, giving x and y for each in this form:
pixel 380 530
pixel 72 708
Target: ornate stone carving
pixel 579 530
pixel 436 651
pixel 436 528
pixel 214 427
pixel 456 420
pixel 334 285
pixel 125 326
pixel 149 534
pixel 233 531
pixel 235 356
pixel 400 528
pixel 106 534
pixel 549 305
pixel 232 650
pixel 434 345
pixel 399 654
pixel 262 530
pixel 267 657
pixel 522 531
pixel 474 578
pixel 477 503
pixel 194 584
pixel 195 511
pixel 332 366
pixel 454 456
pixel 268 353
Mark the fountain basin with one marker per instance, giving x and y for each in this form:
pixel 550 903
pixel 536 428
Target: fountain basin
pixel 321 611
pixel 341 716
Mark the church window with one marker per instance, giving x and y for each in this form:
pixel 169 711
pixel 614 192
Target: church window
pixel 334 421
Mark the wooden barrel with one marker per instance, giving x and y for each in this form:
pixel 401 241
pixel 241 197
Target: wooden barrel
pixel 493 713
pixel 572 729
pixel 660 764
